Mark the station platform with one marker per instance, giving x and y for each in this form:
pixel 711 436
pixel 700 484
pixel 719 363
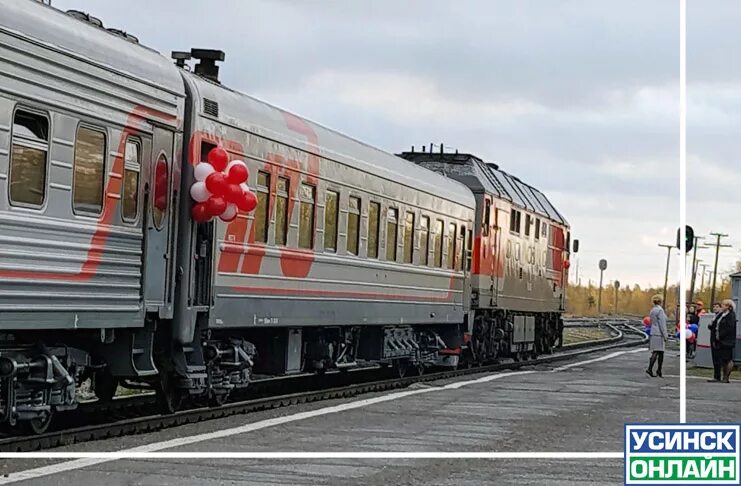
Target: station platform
pixel 573 406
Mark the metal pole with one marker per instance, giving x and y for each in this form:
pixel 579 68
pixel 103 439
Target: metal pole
pixel 599 299
pixel 666 274
pixel 694 270
pixel 616 300
pixel 715 267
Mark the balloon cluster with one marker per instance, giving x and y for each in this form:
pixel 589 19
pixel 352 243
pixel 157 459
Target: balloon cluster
pixel 221 188
pixel 689 333
pixel 647 325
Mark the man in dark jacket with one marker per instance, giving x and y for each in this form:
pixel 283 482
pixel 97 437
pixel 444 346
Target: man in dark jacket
pixel 723 340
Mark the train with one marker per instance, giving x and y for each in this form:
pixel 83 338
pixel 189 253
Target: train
pixel 352 257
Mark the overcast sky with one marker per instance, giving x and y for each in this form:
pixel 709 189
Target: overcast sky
pixel 714 124
pixel 578 98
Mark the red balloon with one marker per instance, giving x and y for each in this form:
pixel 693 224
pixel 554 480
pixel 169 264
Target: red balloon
pixel 233 193
pixel 215 205
pixel 237 174
pixel 200 213
pixel 218 158
pixel 216 183
pixel 247 202
pixel 646 321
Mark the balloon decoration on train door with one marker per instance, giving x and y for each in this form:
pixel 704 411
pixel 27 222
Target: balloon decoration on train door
pixel 220 188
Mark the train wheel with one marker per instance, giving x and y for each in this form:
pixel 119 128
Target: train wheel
pixel 37 426
pixel 169 398
pixel 105 385
pixel 401 367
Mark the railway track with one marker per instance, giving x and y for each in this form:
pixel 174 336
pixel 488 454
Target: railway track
pixel 133 415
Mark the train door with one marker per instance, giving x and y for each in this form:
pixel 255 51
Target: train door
pixel 159 223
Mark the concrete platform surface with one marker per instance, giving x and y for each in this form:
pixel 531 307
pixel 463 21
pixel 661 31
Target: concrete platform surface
pixel 579 406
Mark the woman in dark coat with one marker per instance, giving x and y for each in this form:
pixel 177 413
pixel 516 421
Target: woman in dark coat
pixel 725 338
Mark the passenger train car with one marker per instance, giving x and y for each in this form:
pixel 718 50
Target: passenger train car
pixel 353 256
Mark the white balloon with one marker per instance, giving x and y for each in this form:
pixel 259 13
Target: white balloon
pixel 687 333
pixel 199 192
pixel 203 170
pixel 245 188
pixel 233 163
pixel 229 213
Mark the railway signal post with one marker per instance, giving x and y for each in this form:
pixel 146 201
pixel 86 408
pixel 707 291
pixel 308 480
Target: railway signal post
pixel 617 288
pixel 602 268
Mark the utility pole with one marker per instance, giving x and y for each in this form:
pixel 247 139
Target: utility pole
pixel 702 279
pixel 669 249
pixel 694 270
pixel 717 246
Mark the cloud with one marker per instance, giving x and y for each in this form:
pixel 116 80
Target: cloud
pixel 577 97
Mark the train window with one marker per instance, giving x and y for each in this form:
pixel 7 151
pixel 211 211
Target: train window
pixel 130 186
pixel 306 217
pixel 392 229
pixel 513 220
pixel 424 241
pixel 161 183
pixel 528 222
pixel 89 170
pixel 469 253
pixel 437 239
pixel 331 207
pixel 451 246
pixel 409 238
pixel 487 216
pixel 461 250
pixel 374 214
pixel 262 212
pixel 537 229
pixel 281 212
pixel 28 159
pixel 353 225
pixel 544 230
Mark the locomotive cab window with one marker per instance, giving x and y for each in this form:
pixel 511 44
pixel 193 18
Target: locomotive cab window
pixel 28 159
pixel 262 221
pixel 424 241
pixel 374 214
pixel 306 217
pixel 392 227
pixel 469 253
pixel 409 238
pixel 89 170
pixel 537 229
pixel 130 186
pixel 353 225
pixel 544 230
pixel 528 222
pixel 281 212
pixel 331 212
pixel 487 218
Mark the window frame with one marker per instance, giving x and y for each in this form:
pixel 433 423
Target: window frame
pixel 412 231
pixel 286 195
pixel 395 222
pixel 338 194
pixel 138 141
pixel 39 112
pixel 424 256
pixel 377 249
pixel 153 193
pixel 263 189
pixel 451 246
pixel 301 201
pixel 88 212
pixel 437 251
pixel 359 213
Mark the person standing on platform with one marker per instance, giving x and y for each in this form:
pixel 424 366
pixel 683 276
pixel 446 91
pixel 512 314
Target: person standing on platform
pixel 714 351
pixel 658 336
pixel 725 340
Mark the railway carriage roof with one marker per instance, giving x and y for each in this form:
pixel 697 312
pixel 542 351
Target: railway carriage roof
pixel 57 30
pixel 250 114
pixel 487 176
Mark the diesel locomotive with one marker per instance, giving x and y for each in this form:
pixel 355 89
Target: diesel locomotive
pixel 352 257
